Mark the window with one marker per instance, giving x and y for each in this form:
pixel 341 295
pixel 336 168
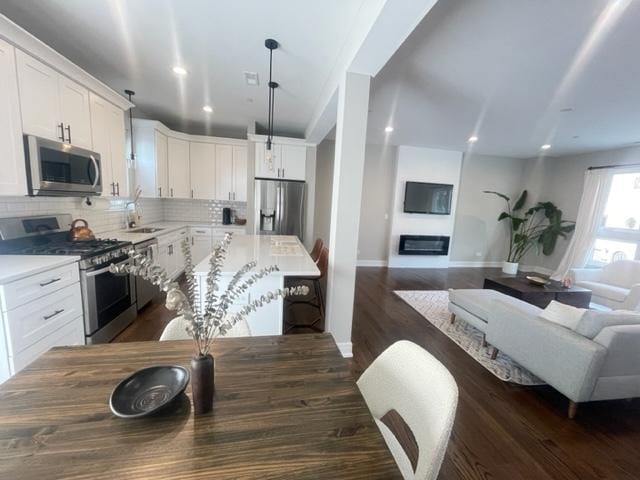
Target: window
pixel 619 236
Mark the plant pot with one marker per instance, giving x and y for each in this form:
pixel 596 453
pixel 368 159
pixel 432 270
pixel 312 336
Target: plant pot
pixel 510 268
pixel 202 384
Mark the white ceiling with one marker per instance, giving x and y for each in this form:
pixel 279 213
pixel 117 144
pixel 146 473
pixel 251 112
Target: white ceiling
pixel 503 70
pixel 133 44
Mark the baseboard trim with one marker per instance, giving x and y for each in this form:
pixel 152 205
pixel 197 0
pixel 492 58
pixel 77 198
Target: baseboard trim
pixel 346 349
pixel 371 263
pixel 475 264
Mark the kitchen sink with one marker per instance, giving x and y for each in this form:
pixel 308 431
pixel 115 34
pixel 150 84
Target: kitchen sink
pixel 145 230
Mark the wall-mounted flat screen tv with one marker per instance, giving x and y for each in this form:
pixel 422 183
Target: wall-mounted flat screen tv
pixel 431 198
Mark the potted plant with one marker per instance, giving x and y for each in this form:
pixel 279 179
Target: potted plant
pixel 537 227
pixel 207 318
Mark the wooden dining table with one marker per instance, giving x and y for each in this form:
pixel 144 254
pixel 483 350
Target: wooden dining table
pixel 285 407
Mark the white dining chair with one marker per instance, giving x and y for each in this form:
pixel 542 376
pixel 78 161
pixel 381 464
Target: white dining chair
pixel 176 330
pixel 407 379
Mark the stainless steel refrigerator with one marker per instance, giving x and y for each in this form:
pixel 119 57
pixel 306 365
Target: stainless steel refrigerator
pixel 280 207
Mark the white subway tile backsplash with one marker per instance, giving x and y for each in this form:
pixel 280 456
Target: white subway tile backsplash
pixel 107 214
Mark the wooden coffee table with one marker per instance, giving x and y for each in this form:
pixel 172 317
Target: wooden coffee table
pixel 540 296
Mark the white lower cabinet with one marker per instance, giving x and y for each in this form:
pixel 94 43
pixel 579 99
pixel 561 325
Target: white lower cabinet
pixel 32 324
pixel 170 256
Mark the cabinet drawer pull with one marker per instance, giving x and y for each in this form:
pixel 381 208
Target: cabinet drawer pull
pixel 57 312
pixel 68 129
pixel 118 189
pixel 53 280
pixel 200 231
pixel 171 189
pixel 159 191
pixel 61 125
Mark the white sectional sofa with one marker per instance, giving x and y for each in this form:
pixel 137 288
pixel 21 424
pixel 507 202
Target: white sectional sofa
pixel 597 359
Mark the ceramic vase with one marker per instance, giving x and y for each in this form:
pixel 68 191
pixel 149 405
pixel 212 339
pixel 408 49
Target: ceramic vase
pixel 202 384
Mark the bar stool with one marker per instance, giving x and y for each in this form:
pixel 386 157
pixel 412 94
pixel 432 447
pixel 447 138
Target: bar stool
pixel 317 302
pixel 317 248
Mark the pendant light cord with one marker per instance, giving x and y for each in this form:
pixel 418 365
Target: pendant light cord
pixel 130 93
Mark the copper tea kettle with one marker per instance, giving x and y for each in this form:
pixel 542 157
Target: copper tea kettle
pixel 80 233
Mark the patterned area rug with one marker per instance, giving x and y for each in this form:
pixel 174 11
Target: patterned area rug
pixel 432 305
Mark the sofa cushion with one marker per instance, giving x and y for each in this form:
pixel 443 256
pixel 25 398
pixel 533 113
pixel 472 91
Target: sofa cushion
pixel 478 302
pixel 617 294
pixel 564 315
pixel 592 322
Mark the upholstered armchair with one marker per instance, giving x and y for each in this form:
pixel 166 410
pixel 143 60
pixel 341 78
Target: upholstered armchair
pixel 616 285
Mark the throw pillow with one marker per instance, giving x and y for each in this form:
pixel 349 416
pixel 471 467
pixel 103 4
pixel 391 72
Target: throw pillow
pixel 563 315
pixel 592 322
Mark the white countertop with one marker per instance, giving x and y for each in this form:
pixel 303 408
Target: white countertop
pixel 284 251
pixel 15 267
pixel 167 227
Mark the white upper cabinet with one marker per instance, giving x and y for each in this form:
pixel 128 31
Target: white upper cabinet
pixel 13 177
pixel 151 165
pixel 108 140
pixel 288 162
pixel 224 172
pixel 39 98
pixel 175 165
pixel 240 173
pixel 293 160
pixel 202 157
pixel 161 148
pixel 179 177
pixel 52 105
pixel 74 112
pixel 117 138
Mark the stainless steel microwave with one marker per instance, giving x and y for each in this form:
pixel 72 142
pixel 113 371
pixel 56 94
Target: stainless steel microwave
pixel 59 169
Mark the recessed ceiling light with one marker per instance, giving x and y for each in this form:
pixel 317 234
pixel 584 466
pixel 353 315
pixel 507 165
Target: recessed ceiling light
pixel 388 129
pixel 546 146
pixel 473 139
pixel 178 70
pixel 207 108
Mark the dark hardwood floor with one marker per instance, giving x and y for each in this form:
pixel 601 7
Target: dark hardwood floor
pixel 502 431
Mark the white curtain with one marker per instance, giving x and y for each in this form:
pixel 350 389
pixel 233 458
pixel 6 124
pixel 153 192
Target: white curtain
pixel 597 184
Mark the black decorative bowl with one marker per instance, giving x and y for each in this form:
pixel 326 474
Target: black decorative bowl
pixel 148 390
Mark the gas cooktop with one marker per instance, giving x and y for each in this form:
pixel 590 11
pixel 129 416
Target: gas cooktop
pixel 52 246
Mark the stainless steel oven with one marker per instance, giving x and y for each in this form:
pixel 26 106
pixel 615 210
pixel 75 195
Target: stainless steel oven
pixel 57 168
pixel 109 300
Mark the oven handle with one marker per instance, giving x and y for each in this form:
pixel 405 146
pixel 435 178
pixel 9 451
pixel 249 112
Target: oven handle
pixel 105 269
pixel 95 165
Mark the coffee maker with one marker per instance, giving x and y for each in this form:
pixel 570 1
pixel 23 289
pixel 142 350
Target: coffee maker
pixel 226 216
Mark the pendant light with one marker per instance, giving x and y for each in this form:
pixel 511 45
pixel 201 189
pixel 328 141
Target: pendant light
pixel 132 158
pixel 271 45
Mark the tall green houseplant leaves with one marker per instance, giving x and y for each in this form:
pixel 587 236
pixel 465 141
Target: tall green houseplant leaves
pixel 537 227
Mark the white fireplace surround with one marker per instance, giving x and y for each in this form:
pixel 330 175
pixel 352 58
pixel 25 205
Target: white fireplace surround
pixel 427 165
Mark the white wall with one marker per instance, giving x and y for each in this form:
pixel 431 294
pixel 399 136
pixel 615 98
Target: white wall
pixel 422 165
pixel 377 199
pixel 325 153
pixel 479 238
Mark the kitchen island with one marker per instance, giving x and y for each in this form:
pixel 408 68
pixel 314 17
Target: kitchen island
pixel 286 252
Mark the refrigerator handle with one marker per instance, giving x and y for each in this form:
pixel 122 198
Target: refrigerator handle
pixel 279 194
